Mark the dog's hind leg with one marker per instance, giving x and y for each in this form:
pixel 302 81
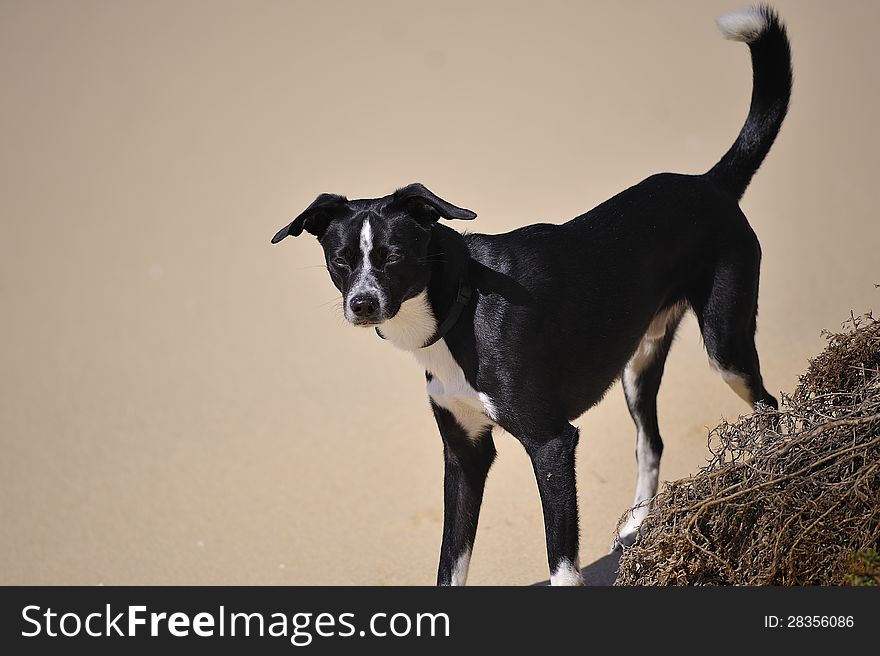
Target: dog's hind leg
pixel 641 382
pixel 727 318
pixel 467 461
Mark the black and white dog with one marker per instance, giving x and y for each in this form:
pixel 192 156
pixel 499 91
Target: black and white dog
pixel 528 329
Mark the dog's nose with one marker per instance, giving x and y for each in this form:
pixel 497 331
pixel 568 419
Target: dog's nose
pixel 365 306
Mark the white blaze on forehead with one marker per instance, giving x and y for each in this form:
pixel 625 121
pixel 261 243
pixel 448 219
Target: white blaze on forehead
pixel 366 245
pixel 365 283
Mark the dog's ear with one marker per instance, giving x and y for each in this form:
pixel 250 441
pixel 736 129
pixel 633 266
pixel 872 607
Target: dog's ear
pixel 315 218
pixel 426 206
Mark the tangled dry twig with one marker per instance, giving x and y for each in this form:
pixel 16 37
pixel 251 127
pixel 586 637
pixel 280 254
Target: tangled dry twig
pixel 787 497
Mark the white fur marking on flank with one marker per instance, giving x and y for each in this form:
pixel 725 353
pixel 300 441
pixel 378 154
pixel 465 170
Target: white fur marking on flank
pixel 745 25
pixel 411 327
pixel 567 573
pixel 647 348
pixel 460 570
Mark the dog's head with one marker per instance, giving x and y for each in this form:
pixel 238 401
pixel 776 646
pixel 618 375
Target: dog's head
pixel 376 249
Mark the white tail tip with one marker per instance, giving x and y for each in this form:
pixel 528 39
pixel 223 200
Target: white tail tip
pixel 745 25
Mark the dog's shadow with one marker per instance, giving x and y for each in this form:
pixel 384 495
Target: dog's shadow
pixel 601 573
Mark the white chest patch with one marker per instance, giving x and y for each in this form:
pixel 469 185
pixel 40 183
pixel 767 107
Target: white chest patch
pixel 408 330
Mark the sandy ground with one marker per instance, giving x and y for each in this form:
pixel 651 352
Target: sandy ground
pixel 182 403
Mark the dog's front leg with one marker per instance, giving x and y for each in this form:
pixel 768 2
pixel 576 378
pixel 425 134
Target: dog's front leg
pixel 468 459
pixel 552 458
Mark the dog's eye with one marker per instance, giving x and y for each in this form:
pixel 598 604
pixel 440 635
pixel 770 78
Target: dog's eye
pixel 392 257
pixel 340 262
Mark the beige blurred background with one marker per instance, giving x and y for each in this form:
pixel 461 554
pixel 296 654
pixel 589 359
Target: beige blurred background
pixel 181 403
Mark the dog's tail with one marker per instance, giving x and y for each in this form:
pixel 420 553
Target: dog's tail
pixel 765 34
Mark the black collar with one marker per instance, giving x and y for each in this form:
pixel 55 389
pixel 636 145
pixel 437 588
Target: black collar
pixel 458 305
